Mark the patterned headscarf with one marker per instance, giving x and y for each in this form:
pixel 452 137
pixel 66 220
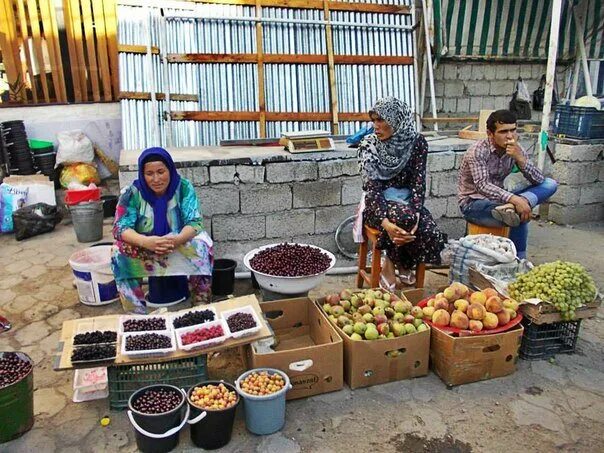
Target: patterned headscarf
pixel 383 160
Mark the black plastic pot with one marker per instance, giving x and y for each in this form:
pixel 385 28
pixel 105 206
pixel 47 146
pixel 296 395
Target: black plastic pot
pixel 223 277
pixel 213 430
pixel 164 428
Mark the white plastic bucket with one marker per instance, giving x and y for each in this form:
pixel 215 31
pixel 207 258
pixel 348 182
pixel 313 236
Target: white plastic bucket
pixel 94 279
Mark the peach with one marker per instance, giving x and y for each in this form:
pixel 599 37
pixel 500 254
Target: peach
pixel 478 298
pixel 431 302
pixel 490 292
pixel 504 317
pixel 494 304
pixel 441 318
pixel 428 312
pixel 461 305
pixel 490 320
pixel 476 311
pixel 511 304
pixel 459 320
pixel 475 325
pixel 450 294
pixel 441 304
pixel 511 312
pixel 461 289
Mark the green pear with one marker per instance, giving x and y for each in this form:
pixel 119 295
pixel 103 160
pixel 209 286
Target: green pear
pixel 410 328
pixel 356 337
pixel 348 329
pixel 371 334
pixel 360 327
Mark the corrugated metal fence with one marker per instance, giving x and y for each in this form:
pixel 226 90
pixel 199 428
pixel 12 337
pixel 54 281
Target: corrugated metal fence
pixel 195 74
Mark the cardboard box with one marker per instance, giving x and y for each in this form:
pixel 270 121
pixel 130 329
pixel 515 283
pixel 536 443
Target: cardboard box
pixel 542 312
pixel 308 348
pixel 367 363
pixel 62 358
pixel 461 360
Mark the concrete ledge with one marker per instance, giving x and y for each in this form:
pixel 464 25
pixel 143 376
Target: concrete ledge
pixel 566 215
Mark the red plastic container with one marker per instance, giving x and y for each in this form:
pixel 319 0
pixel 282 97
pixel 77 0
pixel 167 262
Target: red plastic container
pixel 81 196
pixel 466 333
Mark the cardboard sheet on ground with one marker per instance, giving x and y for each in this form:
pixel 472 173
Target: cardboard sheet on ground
pixel 62 359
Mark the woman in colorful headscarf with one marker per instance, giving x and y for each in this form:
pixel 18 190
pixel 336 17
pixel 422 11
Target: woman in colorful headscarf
pixel 159 234
pixel 393 168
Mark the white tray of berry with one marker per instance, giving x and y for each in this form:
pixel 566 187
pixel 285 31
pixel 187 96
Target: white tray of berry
pixel 193 317
pixel 203 336
pixel 242 321
pixel 147 344
pixel 144 323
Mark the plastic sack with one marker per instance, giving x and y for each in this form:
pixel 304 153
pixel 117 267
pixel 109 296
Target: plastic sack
pixel 11 199
pixel 470 251
pixel 81 173
pixel 357 226
pixel 74 146
pixel 521 101
pixel 355 140
pixel 34 220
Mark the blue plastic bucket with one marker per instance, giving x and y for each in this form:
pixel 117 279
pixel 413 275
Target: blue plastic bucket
pixel 264 414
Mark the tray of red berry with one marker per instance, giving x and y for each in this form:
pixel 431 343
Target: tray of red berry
pixel 202 336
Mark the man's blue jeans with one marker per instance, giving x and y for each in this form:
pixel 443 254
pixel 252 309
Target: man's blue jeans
pixel 479 212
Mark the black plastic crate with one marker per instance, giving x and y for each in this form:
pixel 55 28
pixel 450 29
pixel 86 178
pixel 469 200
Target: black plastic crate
pixel 542 341
pixel 125 380
pixel 578 122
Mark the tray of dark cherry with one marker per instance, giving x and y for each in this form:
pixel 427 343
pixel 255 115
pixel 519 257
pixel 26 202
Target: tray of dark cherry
pixel 242 321
pixel 143 323
pixel 95 337
pixel 157 400
pixel 147 344
pixel 13 368
pixel 193 317
pixel 93 353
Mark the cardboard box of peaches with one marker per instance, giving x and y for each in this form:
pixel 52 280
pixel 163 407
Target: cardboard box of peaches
pixel 475 335
pixel 401 339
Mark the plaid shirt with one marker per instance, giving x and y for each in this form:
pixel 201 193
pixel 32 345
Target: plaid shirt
pixel 482 173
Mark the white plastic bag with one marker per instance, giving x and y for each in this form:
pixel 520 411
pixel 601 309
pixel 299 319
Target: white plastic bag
pixel 357 226
pixel 74 146
pixel 522 90
pixel 469 251
pixel 11 199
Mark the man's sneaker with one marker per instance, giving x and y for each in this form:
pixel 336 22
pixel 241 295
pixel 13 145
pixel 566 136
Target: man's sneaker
pixel 506 213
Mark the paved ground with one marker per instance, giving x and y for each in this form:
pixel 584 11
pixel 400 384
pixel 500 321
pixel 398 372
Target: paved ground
pixel 544 406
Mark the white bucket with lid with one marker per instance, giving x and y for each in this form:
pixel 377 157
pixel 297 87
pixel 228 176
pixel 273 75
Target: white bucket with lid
pixel 94 278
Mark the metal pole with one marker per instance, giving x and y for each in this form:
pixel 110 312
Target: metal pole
pixel 149 73
pixel 549 80
pixel 430 71
pixel 580 39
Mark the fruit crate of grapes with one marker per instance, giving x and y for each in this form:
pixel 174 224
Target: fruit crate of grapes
pixel 542 341
pixel 126 379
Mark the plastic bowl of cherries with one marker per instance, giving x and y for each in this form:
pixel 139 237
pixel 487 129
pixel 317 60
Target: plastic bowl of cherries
pixel 289 268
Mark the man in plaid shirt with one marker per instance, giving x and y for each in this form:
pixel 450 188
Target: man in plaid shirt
pixel 485 165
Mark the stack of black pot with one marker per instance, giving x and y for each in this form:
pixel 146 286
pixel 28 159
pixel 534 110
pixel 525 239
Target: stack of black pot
pixel 15 138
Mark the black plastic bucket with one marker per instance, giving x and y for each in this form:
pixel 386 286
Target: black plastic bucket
pixel 211 429
pixel 158 433
pixel 109 205
pixel 223 277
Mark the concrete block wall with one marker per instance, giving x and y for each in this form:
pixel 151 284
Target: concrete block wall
pixel 246 206
pixel 464 88
pixel 579 170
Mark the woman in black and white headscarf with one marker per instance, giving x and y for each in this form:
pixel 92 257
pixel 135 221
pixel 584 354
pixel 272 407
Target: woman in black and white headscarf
pixel 392 163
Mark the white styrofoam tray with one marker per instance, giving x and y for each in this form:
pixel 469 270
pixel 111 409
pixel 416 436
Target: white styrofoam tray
pixel 148 352
pixel 198 308
pixel 206 343
pixel 90 379
pixel 242 333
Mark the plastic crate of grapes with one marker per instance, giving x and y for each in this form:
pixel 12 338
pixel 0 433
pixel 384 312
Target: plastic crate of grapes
pixel 542 341
pixel 125 380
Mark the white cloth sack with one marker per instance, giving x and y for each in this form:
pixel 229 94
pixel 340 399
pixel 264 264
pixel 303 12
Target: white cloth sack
pixel 470 251
pixel 74 146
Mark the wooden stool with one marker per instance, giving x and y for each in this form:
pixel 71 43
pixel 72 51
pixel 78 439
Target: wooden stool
pixel 371 275
pixel 503 231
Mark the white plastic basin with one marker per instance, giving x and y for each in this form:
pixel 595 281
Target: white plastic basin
pixel 287 285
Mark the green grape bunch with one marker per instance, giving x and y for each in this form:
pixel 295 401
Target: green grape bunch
pixel 565 285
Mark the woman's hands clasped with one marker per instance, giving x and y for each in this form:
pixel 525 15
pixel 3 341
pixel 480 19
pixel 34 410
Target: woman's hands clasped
pixel 160 245
pixel 398 235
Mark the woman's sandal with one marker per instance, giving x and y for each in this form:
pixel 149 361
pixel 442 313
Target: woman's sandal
pixel 391 287
pixel 407 278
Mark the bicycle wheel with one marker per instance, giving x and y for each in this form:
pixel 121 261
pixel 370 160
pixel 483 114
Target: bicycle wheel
pixel 345 239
